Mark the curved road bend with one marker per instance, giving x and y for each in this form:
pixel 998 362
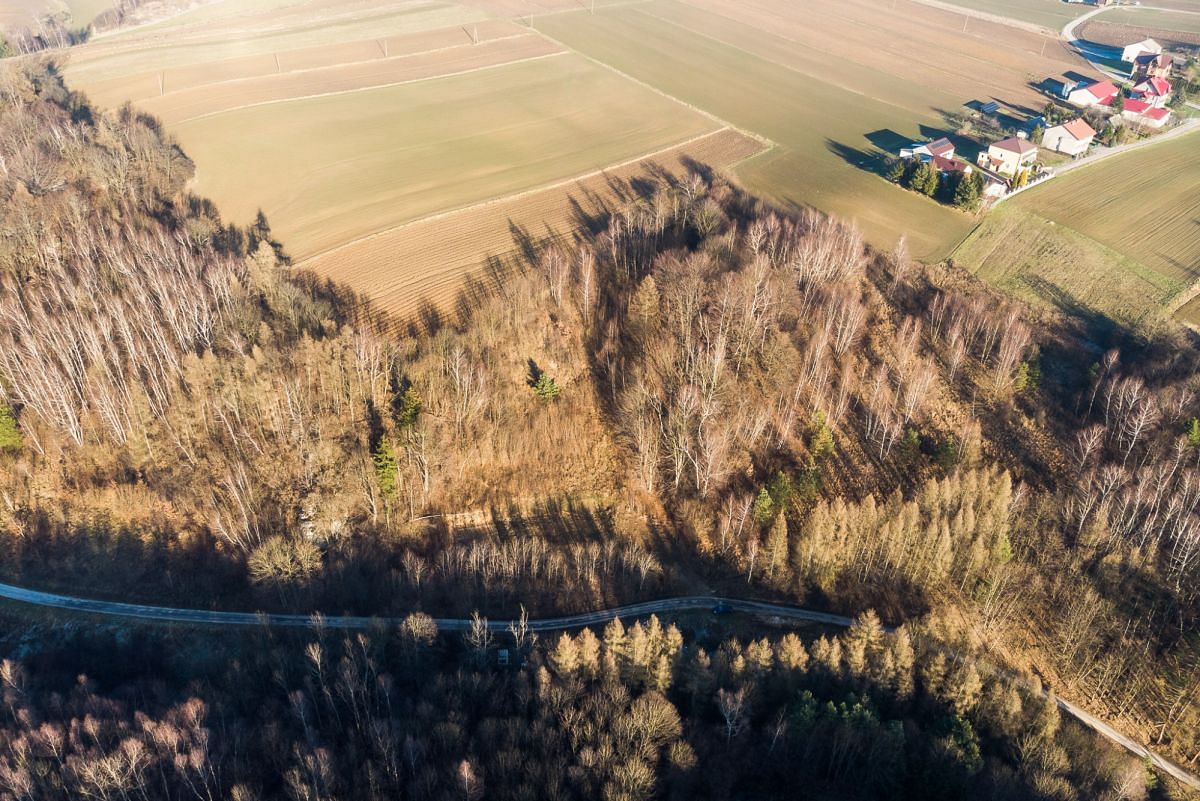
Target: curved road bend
pixel 664 606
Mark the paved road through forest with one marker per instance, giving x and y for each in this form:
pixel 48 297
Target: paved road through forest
pixel 662 607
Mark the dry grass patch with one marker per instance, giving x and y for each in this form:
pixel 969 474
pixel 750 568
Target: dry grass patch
pixel 428 260
pixel 1037 259
pixel 1142 204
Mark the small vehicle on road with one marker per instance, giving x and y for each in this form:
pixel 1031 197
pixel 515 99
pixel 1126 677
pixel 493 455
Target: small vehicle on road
pixel 722 609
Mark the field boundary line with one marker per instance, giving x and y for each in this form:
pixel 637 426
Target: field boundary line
pixel 759 56
pixel 999 19
pixel 338 65
pixel 441 215
pixel 704 112
pixel 318 95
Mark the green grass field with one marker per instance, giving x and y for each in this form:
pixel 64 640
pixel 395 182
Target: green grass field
pixel 330 169
pixel 822 130
pixel 1121 238
pixel 1052 14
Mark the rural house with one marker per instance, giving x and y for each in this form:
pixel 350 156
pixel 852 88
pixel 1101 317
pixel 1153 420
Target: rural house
pixel 950 166
pixel 1130 53
pixel 939 153
pixel 1151 65
pixel 1072 138
pixel 927 151
pixel 1009 156
pixel 1155 91
pixel 1140 112
pixel 1100 93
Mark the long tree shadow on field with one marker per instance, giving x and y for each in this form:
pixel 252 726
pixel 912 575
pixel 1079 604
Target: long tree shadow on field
pixel 591 212
pixel 872 161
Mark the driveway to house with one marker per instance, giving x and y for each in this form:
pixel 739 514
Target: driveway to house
pixel 666 606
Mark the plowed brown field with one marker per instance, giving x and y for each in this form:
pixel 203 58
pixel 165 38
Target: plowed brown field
pixel 427 261
pixel 215 98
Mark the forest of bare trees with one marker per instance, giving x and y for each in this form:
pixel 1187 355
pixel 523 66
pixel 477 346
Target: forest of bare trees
pixel 699 391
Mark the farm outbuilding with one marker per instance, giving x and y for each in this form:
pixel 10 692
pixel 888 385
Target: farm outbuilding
pixel 1140 112
pixel 1155 91
pixel 1100 93
pixel 1130 53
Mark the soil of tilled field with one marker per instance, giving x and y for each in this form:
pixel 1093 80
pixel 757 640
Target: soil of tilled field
pixel 424 263
pixel 1106 32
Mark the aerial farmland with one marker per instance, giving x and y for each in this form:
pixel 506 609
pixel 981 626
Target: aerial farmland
pixel 354 121
pixel 587 400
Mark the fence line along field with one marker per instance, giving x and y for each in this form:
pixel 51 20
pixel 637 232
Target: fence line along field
pixel 1121 238
pixel 424 262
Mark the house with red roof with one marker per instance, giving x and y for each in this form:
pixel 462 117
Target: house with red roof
pixel 1073 138
pixel 1155 91
pixel 950 166
pixel 939 153
pixel 1152 65
pixel 1101 93
pixel 1009 156
pixel 1140 112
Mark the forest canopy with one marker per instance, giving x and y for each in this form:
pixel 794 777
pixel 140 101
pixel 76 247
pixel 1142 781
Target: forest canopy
pixel 701 392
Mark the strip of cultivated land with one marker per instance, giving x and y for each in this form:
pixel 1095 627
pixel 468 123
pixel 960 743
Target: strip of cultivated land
pixel 331 169
pixel 1052 14
pixel 425 262
pixel 343 119
pixel 836 83
pixel 202 101
pixel 1182 21
pixel 157 84
pixel 1121 238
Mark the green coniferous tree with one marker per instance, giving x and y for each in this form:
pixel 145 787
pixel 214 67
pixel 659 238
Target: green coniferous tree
pixel 10 432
